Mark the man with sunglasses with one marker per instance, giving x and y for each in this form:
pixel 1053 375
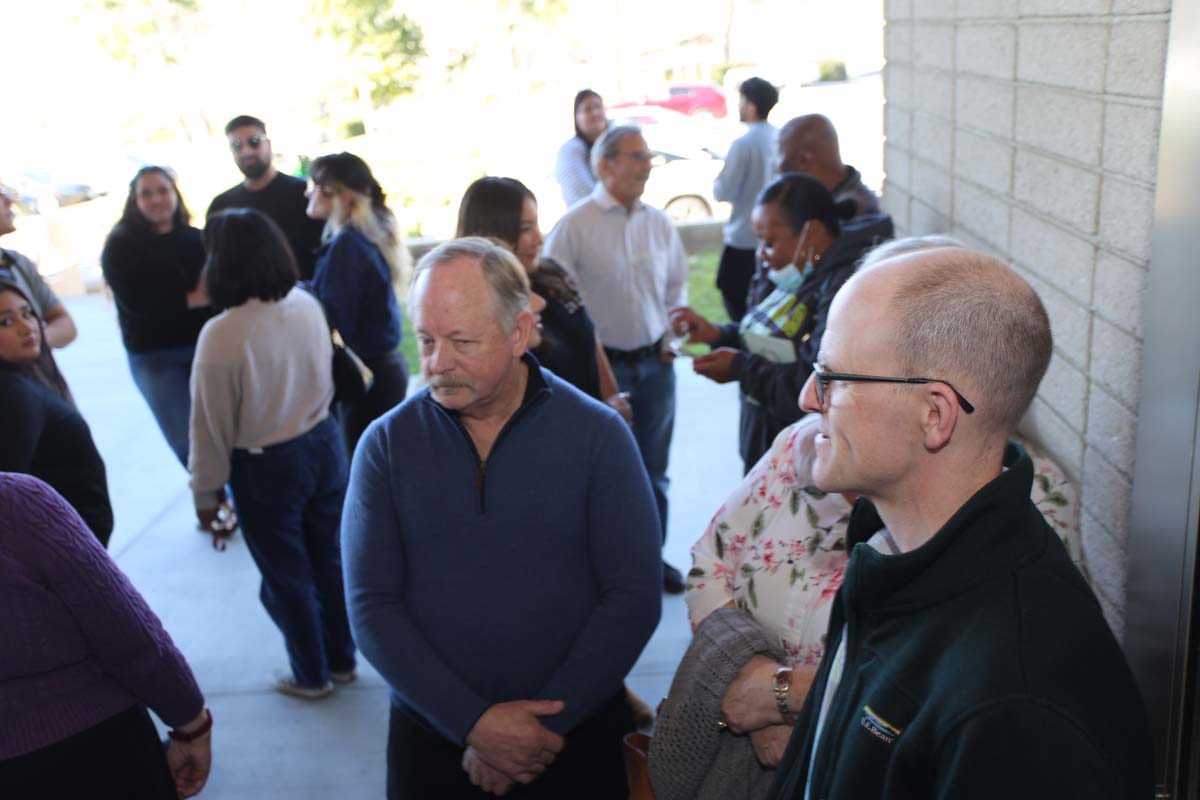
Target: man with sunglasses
pixel 281 197
pixel 965 654
pixel 19 270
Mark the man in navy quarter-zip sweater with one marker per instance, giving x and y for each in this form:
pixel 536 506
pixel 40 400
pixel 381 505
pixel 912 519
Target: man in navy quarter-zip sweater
pixel 501 547
pixel 966 657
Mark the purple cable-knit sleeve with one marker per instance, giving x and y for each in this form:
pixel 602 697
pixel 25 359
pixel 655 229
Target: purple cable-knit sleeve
pixel 122 633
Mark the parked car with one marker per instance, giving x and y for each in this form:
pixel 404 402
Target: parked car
pixel 695 100
pixel 42 192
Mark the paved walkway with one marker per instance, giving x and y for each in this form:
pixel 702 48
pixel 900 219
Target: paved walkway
pixel 266 745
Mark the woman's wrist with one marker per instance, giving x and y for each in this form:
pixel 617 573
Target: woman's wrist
pixel 802 679
pixel 198 727
pixel 781 686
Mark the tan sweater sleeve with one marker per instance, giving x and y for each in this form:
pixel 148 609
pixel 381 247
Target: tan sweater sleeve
pixel 216 397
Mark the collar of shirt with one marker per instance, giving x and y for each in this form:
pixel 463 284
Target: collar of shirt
pixel 607 202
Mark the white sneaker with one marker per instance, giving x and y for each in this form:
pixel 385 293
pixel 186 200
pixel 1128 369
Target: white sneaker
pixel 342 678
pixel 286 684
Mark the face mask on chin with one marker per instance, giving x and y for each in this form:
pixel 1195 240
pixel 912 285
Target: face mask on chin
pixel 791 277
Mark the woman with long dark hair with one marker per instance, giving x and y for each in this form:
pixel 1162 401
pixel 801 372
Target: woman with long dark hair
pixel 41 432
pixel 573 166
pixel 363 258
pixel 505 210
pixel 806 255
pixel 261 388
pixel 152 261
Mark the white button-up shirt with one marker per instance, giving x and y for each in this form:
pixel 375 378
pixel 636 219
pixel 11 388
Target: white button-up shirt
pixel 628 263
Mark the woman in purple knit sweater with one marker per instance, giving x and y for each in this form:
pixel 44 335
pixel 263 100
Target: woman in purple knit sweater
pixel 82 657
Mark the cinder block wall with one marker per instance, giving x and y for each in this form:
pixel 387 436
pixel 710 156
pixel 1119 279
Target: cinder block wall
pixel 1029 129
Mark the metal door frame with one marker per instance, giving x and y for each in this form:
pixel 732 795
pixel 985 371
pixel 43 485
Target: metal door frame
pixel 1162 545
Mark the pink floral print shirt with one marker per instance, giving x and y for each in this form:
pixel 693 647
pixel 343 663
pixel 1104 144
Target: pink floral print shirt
pixel 777 547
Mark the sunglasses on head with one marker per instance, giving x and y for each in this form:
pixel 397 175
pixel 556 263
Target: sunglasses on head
pixel 250 141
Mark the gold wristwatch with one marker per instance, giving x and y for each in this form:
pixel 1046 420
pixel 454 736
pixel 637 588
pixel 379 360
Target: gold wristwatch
pixel 781 685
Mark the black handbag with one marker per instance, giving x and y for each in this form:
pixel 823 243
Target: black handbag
pixel 352 378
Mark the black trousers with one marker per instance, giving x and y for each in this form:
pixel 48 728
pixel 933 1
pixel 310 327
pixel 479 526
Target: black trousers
pixel 421 764
pixel 121 758
pixel 733 280
pixel 388 390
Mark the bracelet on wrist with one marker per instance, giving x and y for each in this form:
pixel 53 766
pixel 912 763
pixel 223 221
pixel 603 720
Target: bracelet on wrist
pixel 781 684
pixel 205 727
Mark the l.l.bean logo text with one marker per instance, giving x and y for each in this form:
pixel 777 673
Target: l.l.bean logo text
pixel 878 727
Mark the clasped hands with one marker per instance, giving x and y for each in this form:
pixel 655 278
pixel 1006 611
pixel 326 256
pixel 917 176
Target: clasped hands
pixel 716 365
pixel 510 745
pixel 749 707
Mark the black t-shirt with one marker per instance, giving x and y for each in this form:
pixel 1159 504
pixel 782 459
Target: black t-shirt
pixel 283 201
pixel 150 275
pixel 43 435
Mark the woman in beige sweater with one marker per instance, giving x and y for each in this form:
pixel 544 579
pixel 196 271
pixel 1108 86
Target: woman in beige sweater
pixel 261 388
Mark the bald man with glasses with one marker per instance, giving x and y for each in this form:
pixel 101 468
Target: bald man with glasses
pixel 965 654
pixel 281 197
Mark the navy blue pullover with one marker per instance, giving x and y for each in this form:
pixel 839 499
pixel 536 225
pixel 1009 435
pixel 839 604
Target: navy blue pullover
pixel 534 576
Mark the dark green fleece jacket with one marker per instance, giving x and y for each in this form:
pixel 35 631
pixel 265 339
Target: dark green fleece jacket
pixel 977 666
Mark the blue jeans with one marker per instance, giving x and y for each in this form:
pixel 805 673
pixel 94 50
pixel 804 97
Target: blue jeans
pixel 289 501
pixel 162 377
pixel 651 387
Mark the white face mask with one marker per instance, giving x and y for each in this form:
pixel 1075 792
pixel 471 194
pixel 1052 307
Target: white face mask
pixel 791 277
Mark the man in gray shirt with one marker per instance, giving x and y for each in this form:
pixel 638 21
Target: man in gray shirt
pixel 20 271
pixel 748 169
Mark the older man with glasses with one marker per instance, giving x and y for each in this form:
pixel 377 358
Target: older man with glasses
pixel 965 655
pixel 281 197
pixel 19 270
pixel 631 269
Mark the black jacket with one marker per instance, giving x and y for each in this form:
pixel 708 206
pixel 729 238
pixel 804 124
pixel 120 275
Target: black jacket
pixel 41 434
pixel 976 666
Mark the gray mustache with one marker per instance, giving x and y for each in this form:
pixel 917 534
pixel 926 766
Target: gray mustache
pixel 448 382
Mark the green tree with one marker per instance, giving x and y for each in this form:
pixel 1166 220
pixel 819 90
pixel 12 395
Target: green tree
pixel 149 35
pixel 389 44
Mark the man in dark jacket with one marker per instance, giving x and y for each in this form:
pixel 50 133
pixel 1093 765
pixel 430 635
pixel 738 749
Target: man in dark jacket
pixel 966 656
pixel 809 144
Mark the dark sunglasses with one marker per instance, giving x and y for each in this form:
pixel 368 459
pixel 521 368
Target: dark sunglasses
pixel 823 379
pixel 250 141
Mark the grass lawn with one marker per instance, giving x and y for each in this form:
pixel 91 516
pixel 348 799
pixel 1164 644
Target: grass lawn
pixel 703 297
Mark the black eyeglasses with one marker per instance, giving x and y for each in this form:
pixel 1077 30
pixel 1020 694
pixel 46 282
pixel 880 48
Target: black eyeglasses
pixel 824 378
pixel 250 141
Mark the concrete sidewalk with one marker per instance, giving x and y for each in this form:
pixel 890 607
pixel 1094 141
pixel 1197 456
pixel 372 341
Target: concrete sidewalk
pixel 267 745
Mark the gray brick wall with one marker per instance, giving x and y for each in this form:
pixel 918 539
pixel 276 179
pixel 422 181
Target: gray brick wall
pixel 1029 129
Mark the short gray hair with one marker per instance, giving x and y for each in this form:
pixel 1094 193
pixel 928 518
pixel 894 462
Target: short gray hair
pixel 962 314
pixel 609 144
pixel 505 276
